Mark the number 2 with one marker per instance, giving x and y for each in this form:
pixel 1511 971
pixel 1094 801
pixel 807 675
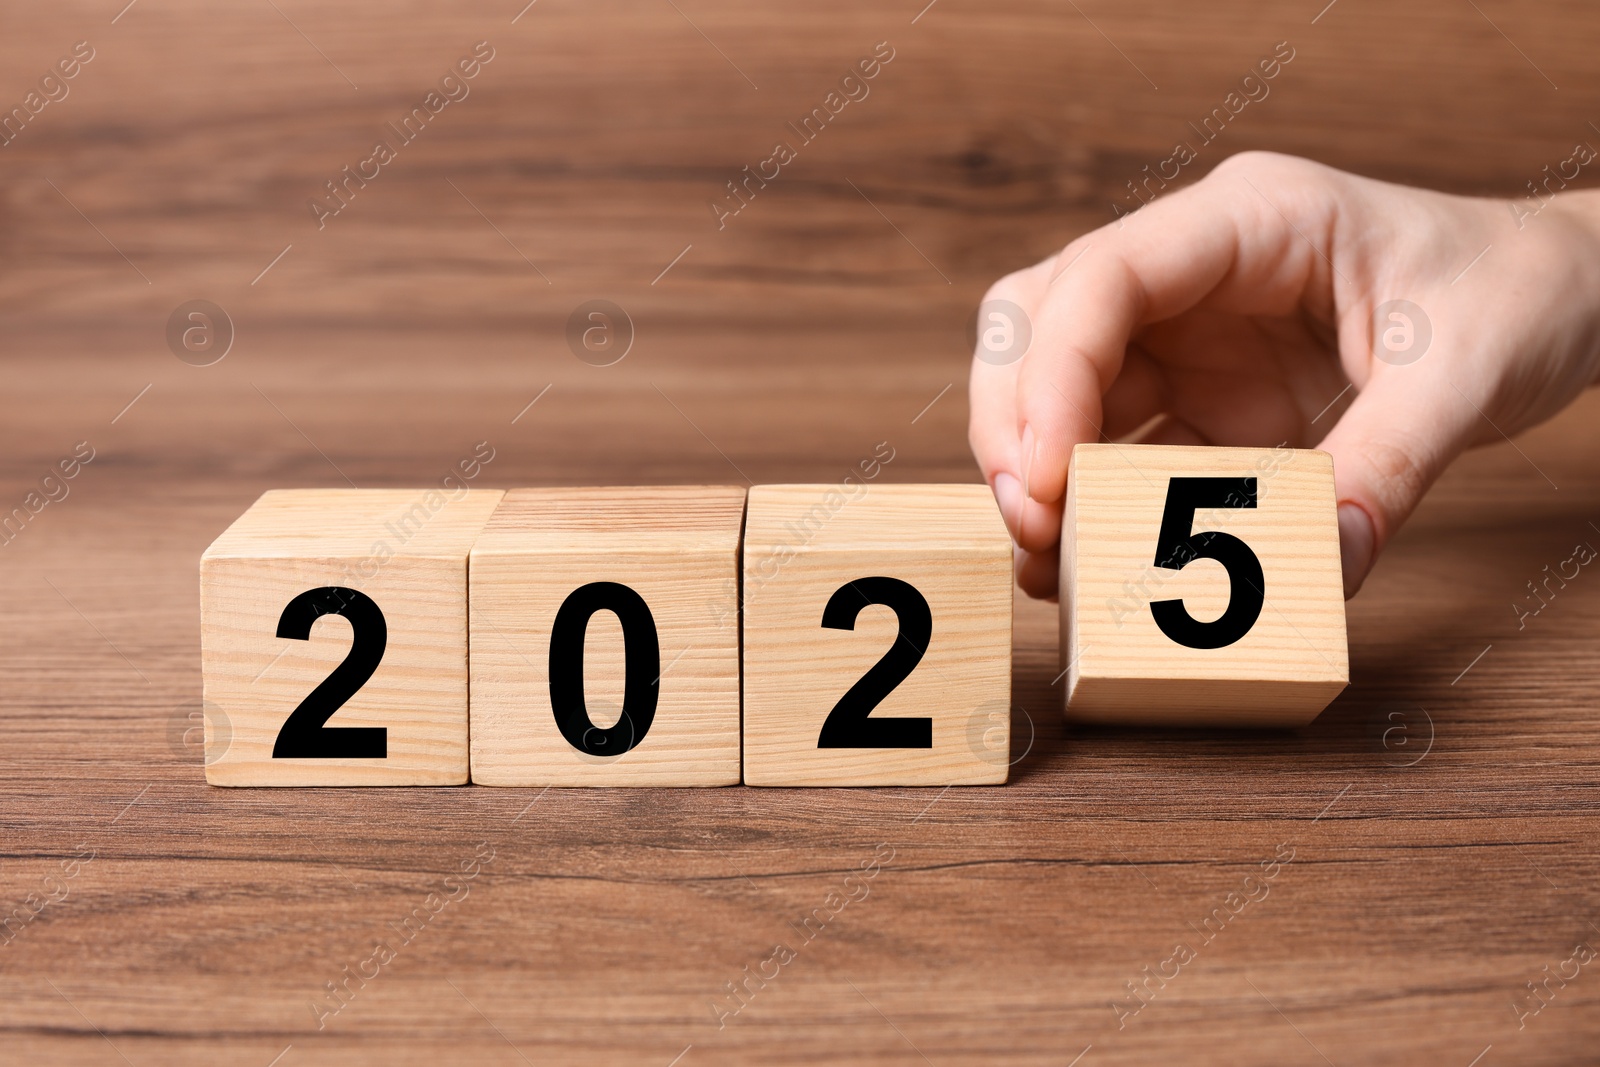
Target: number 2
pixel 1177 546
pixel 303 735
pixel 849 724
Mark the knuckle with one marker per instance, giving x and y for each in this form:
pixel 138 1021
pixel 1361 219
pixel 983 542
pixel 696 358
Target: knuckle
pixel 1055 265
pixel 1010 287
pixel 1255 164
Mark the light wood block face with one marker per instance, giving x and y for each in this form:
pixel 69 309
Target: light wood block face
pixel 1278 628
pixel 941 555
pixel 399 559
pixel 626 599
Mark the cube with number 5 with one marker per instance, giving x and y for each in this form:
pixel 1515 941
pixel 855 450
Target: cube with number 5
pixel 1201 586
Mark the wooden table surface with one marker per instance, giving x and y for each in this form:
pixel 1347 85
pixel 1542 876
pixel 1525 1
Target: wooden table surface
pixel 1441 815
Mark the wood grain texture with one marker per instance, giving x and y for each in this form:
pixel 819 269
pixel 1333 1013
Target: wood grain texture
pixel 677 549
pixel 1122 667
pixel 406 551
pixel 805 546
pixel 1432 878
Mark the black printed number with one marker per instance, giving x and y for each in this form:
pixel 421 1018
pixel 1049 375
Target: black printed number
pixel 849 724
pixel 642 655
pixel 303 735
pixel 1177 546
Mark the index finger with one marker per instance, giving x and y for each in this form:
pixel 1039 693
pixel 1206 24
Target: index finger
pixel 992 427
pixel 1220 241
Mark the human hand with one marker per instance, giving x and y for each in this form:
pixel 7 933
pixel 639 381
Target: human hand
pixel 1243 310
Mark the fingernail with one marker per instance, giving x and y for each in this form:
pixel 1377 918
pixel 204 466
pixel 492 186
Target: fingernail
pixel 1008 494
pixel 1355 546
pixel 1027 458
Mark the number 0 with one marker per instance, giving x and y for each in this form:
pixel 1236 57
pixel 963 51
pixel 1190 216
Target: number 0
pixel 642 669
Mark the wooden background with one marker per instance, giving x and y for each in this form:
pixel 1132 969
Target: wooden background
pixel 822 320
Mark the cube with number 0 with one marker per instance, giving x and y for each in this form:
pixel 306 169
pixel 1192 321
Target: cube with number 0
pixel 877 636
pixel 1201 586
pixel 605 637
pixel 333 637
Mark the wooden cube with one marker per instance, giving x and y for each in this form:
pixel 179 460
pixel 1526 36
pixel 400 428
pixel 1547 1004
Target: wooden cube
pixel 605 638
pixel 378 697
pixel 1201 586
pixel 877 635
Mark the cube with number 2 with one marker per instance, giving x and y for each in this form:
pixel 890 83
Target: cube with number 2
pixel 877 636
pixel 333 638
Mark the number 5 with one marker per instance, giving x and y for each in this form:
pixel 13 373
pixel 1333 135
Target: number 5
pixel 1176 546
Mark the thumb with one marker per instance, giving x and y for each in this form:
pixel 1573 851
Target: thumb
pixel 1401 432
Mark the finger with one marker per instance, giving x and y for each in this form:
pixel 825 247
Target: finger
pixel 1235 240
pixel 1398 435
pixel 1040 525
pixel 992 394
pixel 1033 526
pixel 1037 574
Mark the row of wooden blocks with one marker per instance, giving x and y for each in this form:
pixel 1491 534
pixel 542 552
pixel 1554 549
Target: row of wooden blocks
pixel 850 634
